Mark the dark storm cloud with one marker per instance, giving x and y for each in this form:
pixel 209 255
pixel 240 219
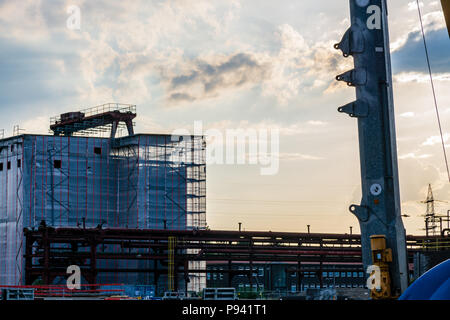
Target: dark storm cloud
pixel 235 71
pixel 411 56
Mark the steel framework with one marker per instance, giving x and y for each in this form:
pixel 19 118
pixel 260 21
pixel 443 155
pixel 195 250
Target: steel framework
pixel 103 118
pixel 50 250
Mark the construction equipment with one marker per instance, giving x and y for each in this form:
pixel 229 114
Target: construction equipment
pixel 367 41
pixel 381 257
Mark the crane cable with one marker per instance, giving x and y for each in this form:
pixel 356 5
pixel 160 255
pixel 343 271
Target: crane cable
pixel 432 87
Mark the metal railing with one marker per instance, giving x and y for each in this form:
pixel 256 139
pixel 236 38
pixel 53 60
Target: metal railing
pixel 61 290
pixel 103 108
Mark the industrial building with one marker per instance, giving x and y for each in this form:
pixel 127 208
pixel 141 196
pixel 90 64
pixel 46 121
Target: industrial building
pixel 282 276
pixel 131 209
pixel 76 178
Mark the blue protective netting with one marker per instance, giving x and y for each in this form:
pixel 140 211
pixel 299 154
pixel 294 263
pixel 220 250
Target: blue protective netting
pixel 141 181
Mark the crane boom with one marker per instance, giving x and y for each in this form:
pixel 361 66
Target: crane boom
pixel 367 41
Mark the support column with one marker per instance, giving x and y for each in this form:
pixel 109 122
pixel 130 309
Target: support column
pixel 93 263
pixel 28 259
pixel 46 258
pixel 230 274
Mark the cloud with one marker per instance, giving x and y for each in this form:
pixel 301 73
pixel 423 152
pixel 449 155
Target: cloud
pixel 414 156
pixel 317 123
pixel 208 78
pixel 411 56
pixel 192 58
pixel 413 186
pixel 299 66
pixel 431 141
pixel 406 77
pixel 293 156
pixel 407 115
pixel 294 69
pixel 23 20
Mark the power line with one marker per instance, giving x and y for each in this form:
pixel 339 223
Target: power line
pixel 432 87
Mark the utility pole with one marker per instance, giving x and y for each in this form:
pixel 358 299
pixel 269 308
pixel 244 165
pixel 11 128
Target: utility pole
pixel 367 41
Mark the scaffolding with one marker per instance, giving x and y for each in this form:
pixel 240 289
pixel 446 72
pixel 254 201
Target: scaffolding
pixel 142 181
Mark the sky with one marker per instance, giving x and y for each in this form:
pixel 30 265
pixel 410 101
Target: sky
pixel 237 64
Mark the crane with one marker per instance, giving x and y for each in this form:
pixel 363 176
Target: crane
pixel 367 41
pixel 383 236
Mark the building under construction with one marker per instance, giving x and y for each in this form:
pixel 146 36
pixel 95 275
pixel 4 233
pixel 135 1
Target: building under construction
pixel 74 178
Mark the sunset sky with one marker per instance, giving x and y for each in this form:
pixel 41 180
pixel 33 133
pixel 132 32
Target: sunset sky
pixel 237 64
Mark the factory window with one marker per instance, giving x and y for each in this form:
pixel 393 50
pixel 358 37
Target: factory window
pixel 336 274
pixel 208 276
pixel 18 163
pixel 1 166
pixel 97 150
pixel 324 274
pixel 57 164
pixel 355 274
pixel 261 271
pixel 343 274
pixel 349 274
pixel 361 274
pixel 8 165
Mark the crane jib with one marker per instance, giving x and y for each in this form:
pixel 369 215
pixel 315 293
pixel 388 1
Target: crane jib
pixel 379 214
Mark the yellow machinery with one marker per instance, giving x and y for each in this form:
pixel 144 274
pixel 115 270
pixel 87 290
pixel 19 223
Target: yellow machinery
pixel 381 257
